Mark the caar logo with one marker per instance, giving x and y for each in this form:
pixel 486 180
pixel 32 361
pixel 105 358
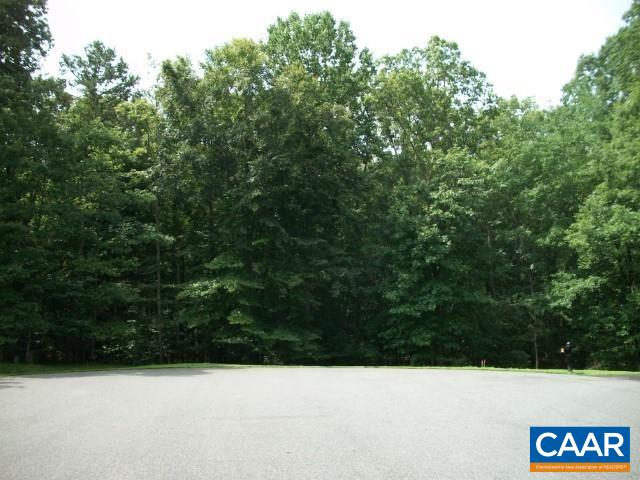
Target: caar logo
pixel 579 449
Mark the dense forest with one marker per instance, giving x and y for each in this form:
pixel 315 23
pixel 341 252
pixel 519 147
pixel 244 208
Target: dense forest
pixel 298 200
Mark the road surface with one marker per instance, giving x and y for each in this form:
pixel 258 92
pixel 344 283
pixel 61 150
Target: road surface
pixel 297 423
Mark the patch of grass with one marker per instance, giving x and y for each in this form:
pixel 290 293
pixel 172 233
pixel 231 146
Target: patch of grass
pixel 27 369
pixel 554 371
pixel 34 369
pixel 13 369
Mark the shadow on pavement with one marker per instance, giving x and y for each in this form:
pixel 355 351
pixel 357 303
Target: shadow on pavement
pixel 10 384
pixel 627 377
pixel 155 372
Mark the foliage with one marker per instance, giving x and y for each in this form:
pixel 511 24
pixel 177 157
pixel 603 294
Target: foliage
pixel 298 201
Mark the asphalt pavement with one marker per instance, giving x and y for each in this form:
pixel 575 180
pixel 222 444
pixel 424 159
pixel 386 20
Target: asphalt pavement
pixel 297 423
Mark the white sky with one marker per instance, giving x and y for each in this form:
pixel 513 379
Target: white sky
pixel 526 47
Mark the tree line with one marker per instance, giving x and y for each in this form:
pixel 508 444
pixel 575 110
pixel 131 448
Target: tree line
pixel 298 200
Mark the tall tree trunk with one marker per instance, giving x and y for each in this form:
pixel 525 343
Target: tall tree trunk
pixel 533 319
pixel 158 285
pixel 28 356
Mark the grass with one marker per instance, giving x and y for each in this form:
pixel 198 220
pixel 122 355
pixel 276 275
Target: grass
pixel 555 371
pixel 33 369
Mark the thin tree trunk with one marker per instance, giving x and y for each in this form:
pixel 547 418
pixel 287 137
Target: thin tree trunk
pixel 158 284
pixel 28 357
pixel 533 320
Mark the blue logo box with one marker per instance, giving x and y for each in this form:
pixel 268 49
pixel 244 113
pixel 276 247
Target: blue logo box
pixel 579 445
